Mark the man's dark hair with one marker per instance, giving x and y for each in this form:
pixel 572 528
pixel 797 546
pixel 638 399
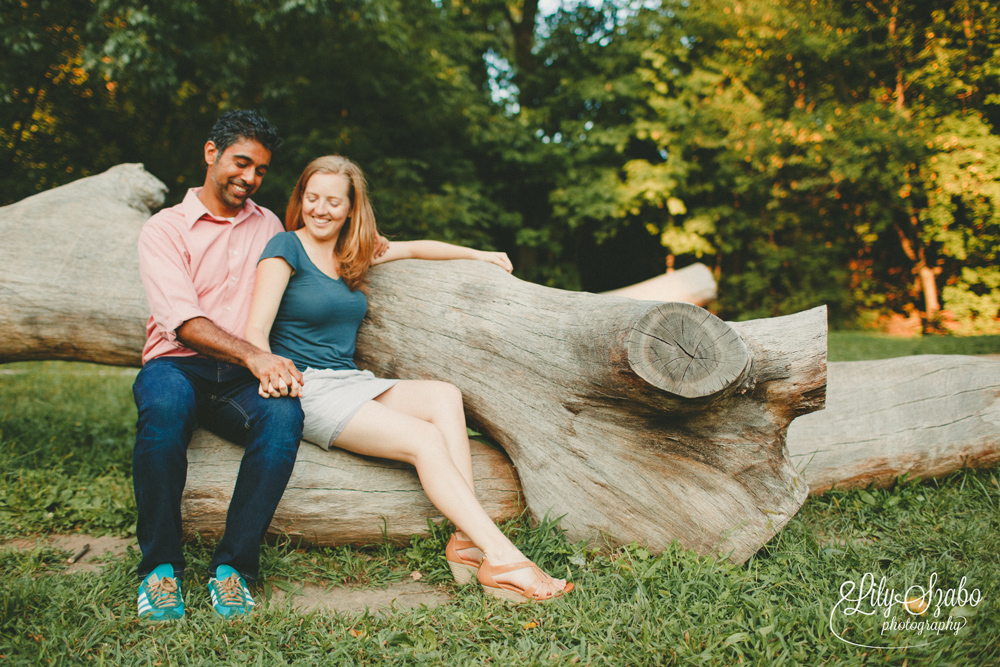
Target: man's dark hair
pixel 244 124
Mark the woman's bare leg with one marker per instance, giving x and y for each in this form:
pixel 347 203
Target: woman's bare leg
pixel 378 430
pixel 439 403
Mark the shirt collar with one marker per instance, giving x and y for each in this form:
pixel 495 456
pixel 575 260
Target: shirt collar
pixel 194 209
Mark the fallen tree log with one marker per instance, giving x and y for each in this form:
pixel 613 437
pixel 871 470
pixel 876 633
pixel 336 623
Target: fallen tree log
pixel 632 420
pixel 335 497
pixel 635 420
pixel 69 274
pixel 922 416
pixel 692 284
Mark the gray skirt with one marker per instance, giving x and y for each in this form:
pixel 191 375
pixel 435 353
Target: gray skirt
pixel 331 398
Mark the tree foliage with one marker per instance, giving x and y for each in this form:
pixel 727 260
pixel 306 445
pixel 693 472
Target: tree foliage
pixel 872 131
pixel 386 82
pixel 810 151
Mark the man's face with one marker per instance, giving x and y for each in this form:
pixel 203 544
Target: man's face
pixel 233 175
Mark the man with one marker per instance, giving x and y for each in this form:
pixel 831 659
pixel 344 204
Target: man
pixel 198 262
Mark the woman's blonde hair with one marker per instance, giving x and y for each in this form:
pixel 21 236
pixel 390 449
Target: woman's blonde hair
pixel 356 241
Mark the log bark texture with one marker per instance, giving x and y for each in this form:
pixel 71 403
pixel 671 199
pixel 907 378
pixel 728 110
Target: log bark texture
pixel 335 497
pixel 69 274
pixel 925 416
pixel 636 420
pixel 632 420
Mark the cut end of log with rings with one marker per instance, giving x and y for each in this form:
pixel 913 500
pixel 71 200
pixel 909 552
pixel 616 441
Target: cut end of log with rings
pixel 686 351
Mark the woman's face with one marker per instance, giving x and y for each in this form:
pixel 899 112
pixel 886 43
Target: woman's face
pixel 325 205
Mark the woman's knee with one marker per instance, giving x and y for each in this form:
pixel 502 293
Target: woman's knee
pixel 447 399
pixel 447 392
pixel 426 442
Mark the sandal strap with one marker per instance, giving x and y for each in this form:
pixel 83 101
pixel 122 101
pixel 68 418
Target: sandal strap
pixel 460 544
pixel 530 591
pixel 454 546
pixel 486 572
pixel 510 567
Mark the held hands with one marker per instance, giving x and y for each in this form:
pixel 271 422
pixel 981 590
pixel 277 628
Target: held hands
pixel 278 376
pixel 498 258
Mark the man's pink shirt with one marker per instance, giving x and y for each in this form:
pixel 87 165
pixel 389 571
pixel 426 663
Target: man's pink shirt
pixel 194 264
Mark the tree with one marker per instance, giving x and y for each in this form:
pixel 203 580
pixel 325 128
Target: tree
pixel 54 111
pixel 878 116
pixel 387 83
pixel 813 151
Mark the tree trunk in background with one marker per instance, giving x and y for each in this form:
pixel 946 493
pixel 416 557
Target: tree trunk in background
pixel 522 27
pixel 69 273
pixel 692 284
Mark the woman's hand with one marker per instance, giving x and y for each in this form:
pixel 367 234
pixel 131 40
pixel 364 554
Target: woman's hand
pixel 294 390
pixel 381 245
pixel 278 376
pixel 498 258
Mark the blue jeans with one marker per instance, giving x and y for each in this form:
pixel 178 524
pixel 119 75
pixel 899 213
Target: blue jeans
pixel 174 395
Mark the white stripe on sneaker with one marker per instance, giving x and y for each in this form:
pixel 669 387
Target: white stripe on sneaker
pixel 248 597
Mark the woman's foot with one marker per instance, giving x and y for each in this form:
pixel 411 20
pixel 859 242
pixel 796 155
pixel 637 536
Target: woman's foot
pixel 464 557
pixel 520 581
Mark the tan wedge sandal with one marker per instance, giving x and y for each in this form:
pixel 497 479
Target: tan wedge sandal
pixel 462 568
pixel 512 592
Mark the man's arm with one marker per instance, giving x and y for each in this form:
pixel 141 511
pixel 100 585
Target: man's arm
pixel 178 315
pixel 202 335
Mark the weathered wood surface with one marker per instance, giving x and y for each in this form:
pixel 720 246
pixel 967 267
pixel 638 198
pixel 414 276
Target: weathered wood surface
pixel 634 420
pixel 692 284
pixel 924 415
pixel 335 497
pixel 69 278
pixel 574 388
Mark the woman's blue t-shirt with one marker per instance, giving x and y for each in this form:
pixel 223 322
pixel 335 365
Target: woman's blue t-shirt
pixel 318 319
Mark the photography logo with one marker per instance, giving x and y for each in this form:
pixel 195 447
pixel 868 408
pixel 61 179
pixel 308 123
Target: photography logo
pixel 869 614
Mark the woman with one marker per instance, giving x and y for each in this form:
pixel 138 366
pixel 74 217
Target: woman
pixel 307 305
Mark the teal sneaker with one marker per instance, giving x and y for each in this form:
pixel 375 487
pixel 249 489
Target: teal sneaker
pixel 230 595
pixel 160 596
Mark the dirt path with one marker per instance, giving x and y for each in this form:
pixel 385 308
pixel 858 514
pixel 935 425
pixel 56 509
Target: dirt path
pixel 305 598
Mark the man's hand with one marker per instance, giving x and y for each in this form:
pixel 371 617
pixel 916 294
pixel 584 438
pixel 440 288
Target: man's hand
pixel 278 376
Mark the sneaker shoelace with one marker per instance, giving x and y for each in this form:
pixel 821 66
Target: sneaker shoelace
pixel 163 593
pixel 231 592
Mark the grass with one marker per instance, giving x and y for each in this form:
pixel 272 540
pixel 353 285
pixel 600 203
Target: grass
pixel 65 447
pixel 855 346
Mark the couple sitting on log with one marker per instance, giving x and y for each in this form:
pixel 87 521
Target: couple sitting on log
pixel 252 336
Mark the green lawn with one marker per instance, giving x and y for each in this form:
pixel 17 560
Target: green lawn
pixel 854 346
pixel 65 447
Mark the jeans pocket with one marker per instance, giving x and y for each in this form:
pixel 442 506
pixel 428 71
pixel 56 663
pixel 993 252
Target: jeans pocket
pixel 238 408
